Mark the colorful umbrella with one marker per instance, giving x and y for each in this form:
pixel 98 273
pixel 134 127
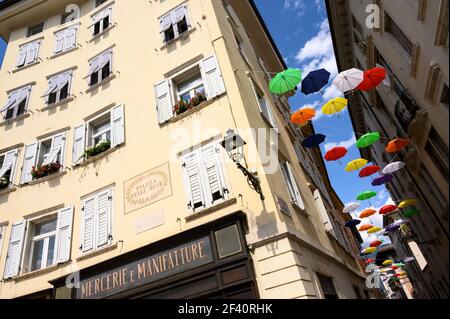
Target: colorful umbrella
pixel 315 81
pixel 366 195
pixel 348 80
pixel 285 81
pixel 407 202
pixel 399 265
pixel 367 213
pixel 387 209
pixel 410 212
pixel 356 165
pixel 374 230
pixel 393 167
pixel 369 261
pixel 351 207
pixel 409 259
pixel 368 139
pixel 336 153
pixel 383 179
pixel 388 262
pixel 376 243
pixel 392 228
pixel 397 145
pixel 301 117
pixel 352 223
pixel 369 170
pixel 372 78
pixel 365 227
pixel 369 250
pixel 334 106
pixel 314 140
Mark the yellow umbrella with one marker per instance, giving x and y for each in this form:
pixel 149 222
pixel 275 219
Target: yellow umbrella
pixel 356 165
pixel 388 262
pixel 369 250
pixel 334 106
pixel 374 230
pixel 407 203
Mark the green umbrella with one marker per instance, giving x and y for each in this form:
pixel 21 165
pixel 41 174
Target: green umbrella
pixel 410 212
pixel 285 81
pixel 366 195
pixel 368 139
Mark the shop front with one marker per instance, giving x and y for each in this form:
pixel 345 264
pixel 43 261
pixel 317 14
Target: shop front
pixel 210 261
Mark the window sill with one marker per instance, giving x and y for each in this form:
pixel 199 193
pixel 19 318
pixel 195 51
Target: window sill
pixel 26 66
pixel 299 210
pixel 103 82
pixel 54 105
pixel 38 273
pixel 56 55
pixel 97 157
pixel 8 190
pixel 101 34
pixel 45 179
pixel 16 119
pixel 98 252
pixel 209 210
pixel 180 37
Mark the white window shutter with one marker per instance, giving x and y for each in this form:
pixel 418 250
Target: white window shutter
pixel 212 77
pixel 58 142
pixel 23 51
pixel 14 254
pixel 117 126
pixel 194 181
pixel 213 175
pixel 2 238
pixel 64 234
pixel 12 99
pixel 298 196
pixel 103 220
pixel 165 23
pixel 70 41
pixel 63 79
pixel 94 66
pixel 271 115
pixel 79 142
pixel 59 44
pixel 255 93
pixel 28 162
pixel 88 225
pixel 9 163
pixel 322 211
pixel 52 85
pixel 33 50
pixel 164 104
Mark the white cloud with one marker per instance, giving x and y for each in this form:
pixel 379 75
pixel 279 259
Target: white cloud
pixel 331 92
pixel 298 5
pixel 347 143
pixel 377 220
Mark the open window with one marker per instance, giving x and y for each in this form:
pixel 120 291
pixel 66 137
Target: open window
pixel 101 21
pixel 17 103
pixel 58 88
pixel 263 104
pixel 294 193
pixel 100 68
pixel 174 24
pixel 8 162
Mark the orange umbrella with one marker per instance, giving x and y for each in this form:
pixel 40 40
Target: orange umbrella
pixel 365 227
pixel 367 213
pixel 302 117
pixel 397 145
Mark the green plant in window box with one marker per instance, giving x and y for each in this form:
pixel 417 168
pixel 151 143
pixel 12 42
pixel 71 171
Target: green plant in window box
pixel 4 183
pixel 45 170
pixel 184 106
pixel 97 149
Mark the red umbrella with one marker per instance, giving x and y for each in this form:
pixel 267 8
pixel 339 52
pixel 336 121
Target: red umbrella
pixel 372 78
pixel 394 267
pixel 376 243
pixel 370 260
pixel 387 209
pixel 336 153
pixel 369 170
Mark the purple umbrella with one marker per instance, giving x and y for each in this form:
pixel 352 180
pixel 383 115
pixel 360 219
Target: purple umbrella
pixel 392 228
pixel 353 223
pixel 383 179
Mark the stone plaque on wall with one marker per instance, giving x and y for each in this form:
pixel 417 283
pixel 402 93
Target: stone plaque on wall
pixel 147 188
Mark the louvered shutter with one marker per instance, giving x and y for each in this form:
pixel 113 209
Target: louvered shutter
pixel 179 14
pixel 70 38
pixel 52 85
pixel 2 238
pixel 9 163
pixel 117 125
pixel 212 173
pixel 12 99
pixel 63 79
pixel 79 140
pixel 59 41
pixel 14 255
pixel 298 196
pixel 94 66
pixel 322 211
pixel 58 142
pixel 212 77
pixel 193 181
pixel 103 220
pixel 88 225
pixel 64 234
pixel 28 162
pixel 33 50
pixel 164 104
pixel 23 51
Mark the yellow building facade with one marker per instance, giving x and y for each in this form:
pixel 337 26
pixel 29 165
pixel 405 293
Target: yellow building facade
pixel 114 179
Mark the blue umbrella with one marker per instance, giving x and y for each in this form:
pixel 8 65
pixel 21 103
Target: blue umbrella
pixel 383 179
pixel 314 140
pixel 352 223
pixel 315 81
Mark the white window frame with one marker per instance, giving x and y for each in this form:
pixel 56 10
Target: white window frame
pixel 17 103
pixel 65 32
pixel 191 88
pixel 13 165
pixel 25 53
pixel 57 81
pixel 52 139
pixel 90 137
pixel 101 16
pixel 171 15
pixel 99 70
pixel 264 105
pixel 291 184
pixel 46 237
pixel 2 238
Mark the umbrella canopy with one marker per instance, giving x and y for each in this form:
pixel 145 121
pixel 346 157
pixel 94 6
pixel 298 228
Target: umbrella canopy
pixel 352 223
pixel 388 262
pixel 370 260
pixel 369 250
pixel 383 179
pixel 394 267
pixel 348 80
pixel 410 212
pixel 334 106
pixel 336 153
pixel 367 213
pixel 285 81
pixel 366 195
pixel 393 167
pixel 397 145
pixel 369 170
pixel 351 207
pixel 392 228
pixel 409 259
pixel 387 209
pixel 315 81
pixel 374 230
pixel 372 78
pixel 302 117
pixel 356 165
pixel 314 140
pixel 376 243
pixel 399 265
pixel 365 227
pixel 368 139
pixel 407 202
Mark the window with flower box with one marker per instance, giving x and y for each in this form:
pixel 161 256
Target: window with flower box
pixel 58 88
pixel 99 134
pixel 100 68
pixel 174 24
pixel 188 89
pixel 8 161
pixel 17 103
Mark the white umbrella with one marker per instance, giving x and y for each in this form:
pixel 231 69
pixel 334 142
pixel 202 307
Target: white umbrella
pixel 351 207
pixel 392 168
pixel 348 80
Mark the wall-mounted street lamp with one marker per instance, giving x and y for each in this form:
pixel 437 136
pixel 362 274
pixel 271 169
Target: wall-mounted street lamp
pixel 234 145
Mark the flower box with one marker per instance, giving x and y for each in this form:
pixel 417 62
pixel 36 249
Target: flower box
pixel 45 170
pixel 184 106
pixel 97 149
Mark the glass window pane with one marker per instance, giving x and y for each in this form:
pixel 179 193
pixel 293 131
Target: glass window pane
pixel 51 251
pixel 228 241
pixel 36 259
pixel 46 227
pixel 190 84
